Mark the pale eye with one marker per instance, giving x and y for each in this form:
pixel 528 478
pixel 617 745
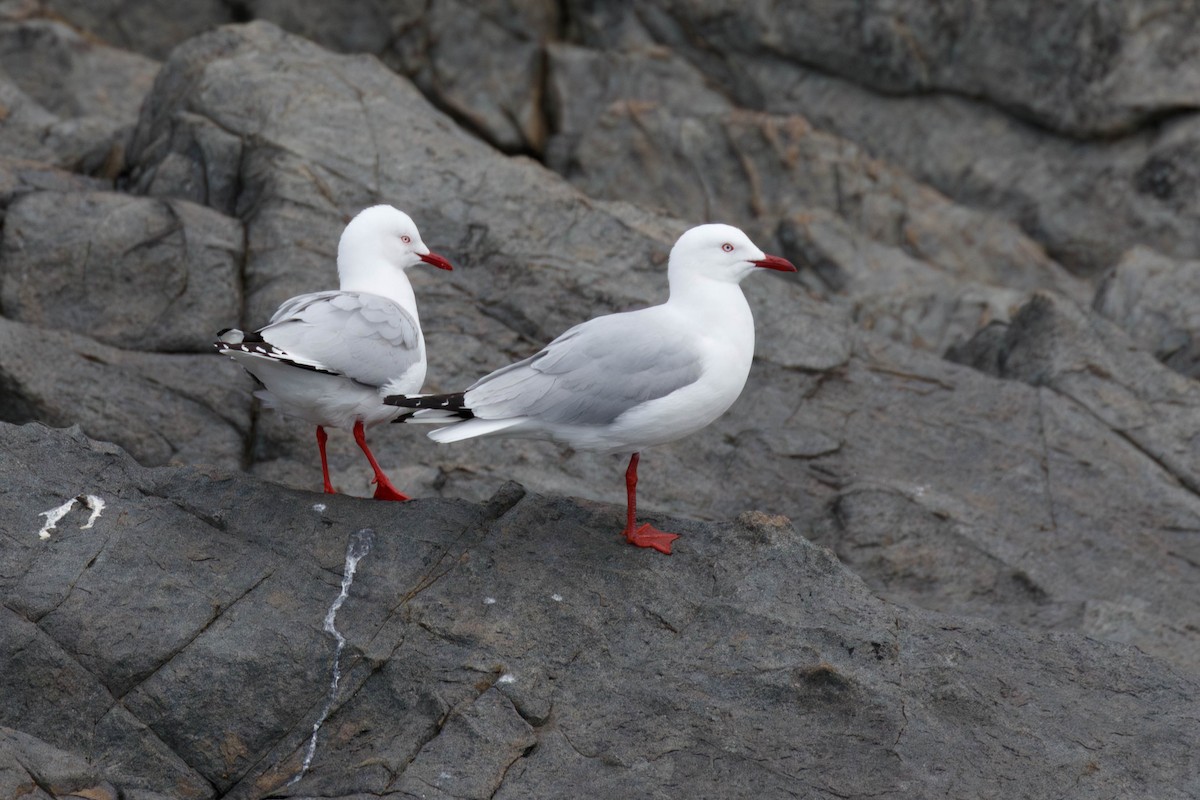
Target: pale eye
pixel 406 239
pixel 727 247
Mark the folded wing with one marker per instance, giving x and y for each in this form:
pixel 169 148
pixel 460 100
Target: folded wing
pixel 591 374
pixel 365 337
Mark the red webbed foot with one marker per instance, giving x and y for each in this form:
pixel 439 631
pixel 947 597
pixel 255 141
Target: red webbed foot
pixel 649 536
pixel 383 487
pixel 385 491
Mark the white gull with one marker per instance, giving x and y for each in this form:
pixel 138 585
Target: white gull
pixel 624 382
pixel 331 357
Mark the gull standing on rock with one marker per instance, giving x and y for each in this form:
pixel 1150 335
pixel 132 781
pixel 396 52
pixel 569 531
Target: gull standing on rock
pixel 624 382
pixel 331 357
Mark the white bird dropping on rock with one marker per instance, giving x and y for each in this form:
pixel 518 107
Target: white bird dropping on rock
pixel 54 515
pixel 52 518
pixel 96 504
pixel 358 546
pixel 624 382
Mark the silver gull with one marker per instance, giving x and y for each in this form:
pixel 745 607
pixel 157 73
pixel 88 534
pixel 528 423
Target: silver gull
pixel 331 357
pixel 624 382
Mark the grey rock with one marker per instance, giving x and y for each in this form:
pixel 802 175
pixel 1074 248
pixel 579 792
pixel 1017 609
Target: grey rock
pixel 160 407
pixel 1052 342
pixel 32 768
pixel 72 76
pixel 586 85
pixel 149 27
pixel 930 438
pixel 133 272
pixel 1088 195
pixel 69 101
pixel 888 246
pixel 480 61
pixel 356 26
pixel 965 494
pixel 1156 300
pixel 467 673
pixel 19 177
pixel 1081 69
pixel 1086 202
pixel 30 132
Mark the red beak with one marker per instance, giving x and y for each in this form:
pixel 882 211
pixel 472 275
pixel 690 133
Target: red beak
pixel 775 262
pixel 438 261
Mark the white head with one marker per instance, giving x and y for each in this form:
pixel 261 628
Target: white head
pixel 380 237
pixel 721 253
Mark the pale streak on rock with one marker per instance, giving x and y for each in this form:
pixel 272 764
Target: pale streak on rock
pixel 53 516
pixel 96 504
pixel 358 546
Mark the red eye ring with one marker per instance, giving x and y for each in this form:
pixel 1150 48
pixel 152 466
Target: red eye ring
pixel 727 247
pixel 406 239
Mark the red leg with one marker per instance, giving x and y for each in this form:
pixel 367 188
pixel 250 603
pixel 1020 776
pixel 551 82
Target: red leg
pixel 646 535
pixel 322 436
pixel 383 487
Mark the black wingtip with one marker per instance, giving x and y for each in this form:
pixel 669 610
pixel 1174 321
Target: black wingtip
pixel 454 404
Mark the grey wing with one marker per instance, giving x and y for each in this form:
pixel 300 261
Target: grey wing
pixel 591 374
pixel 363 336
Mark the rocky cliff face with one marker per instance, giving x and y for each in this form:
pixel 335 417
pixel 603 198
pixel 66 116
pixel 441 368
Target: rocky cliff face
pixel 953 519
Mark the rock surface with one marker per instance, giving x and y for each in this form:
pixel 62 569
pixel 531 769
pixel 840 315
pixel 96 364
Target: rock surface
pixel 160 407
pixel 133 272
pixel 751 663
pixel 1006 598
pixel 68 100
pixel 1157 301
pixel 905 259
pixel 911 86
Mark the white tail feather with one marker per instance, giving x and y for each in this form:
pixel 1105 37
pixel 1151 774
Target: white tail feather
pixel 469 429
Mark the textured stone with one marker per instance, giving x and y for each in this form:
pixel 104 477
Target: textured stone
pixel 150 27
pixel 1083 69
pixel 905 259
pixel 1052 342
pixel 30 132
pixel 67 100
pixel 19 177
pixel 160 407
pixel 136 273
pixel 72 76
pixel 606 670
pixel 1010 603
pixel 1113 173
pixel 1086 202
pixel 353 26
pixel 1156 300
pixel 481 62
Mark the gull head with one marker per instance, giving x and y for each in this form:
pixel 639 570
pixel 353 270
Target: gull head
pixel 384 236
pixel 719 252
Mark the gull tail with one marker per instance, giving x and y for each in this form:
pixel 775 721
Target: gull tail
pixel 470 428
pixel 448 408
